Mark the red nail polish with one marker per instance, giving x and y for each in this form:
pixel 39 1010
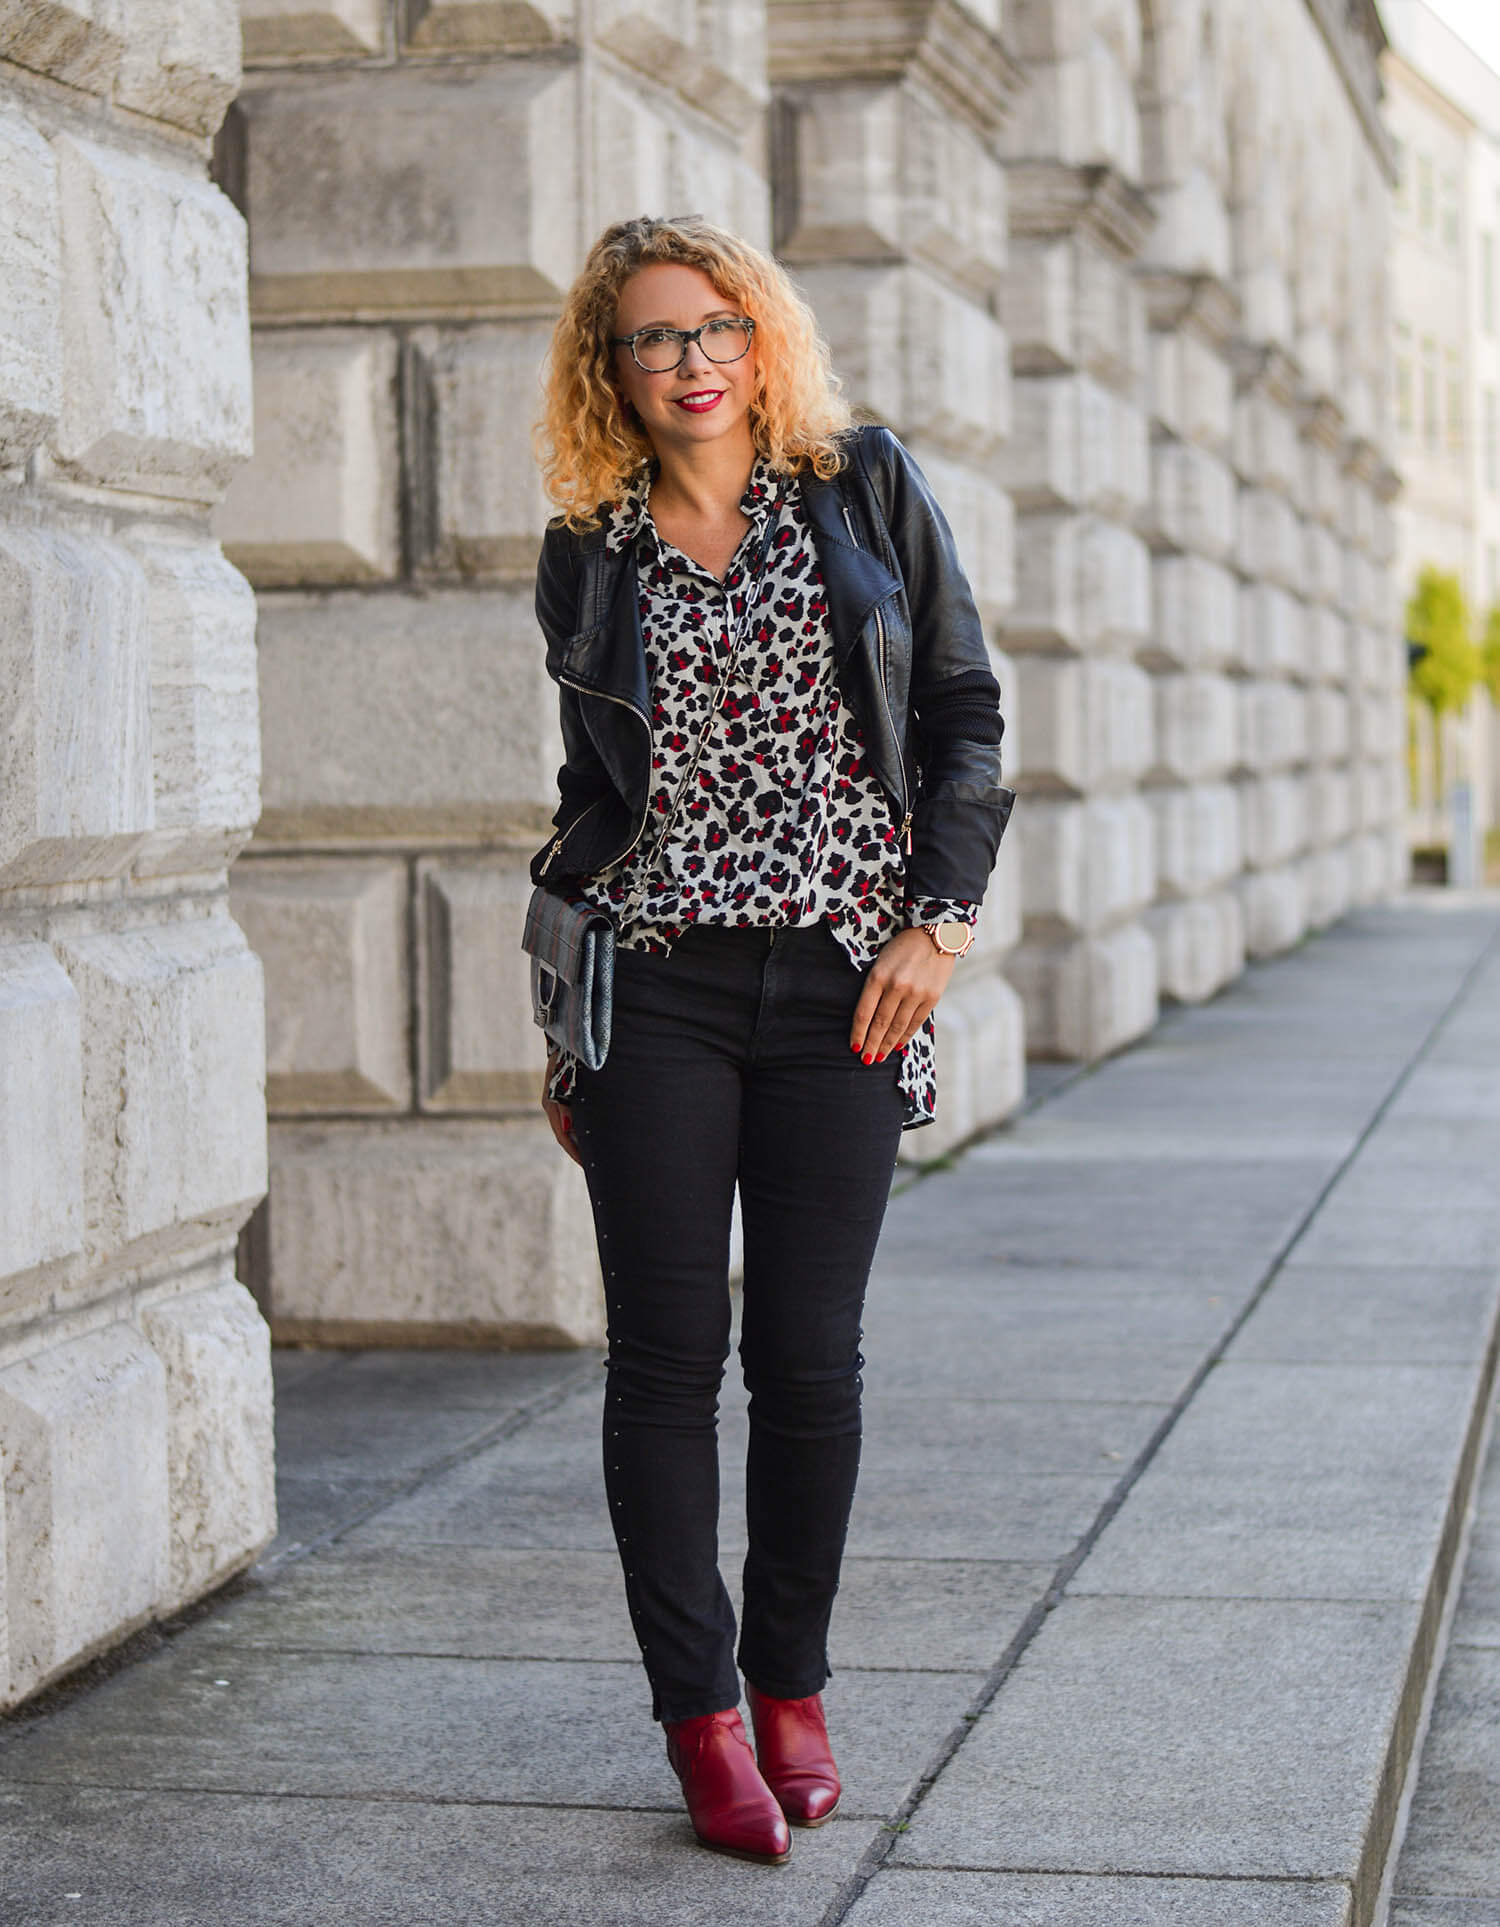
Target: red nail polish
pixel 868 1058
pixel 882 1057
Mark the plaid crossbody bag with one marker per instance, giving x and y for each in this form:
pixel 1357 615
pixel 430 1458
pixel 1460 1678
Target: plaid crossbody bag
pixel 572 951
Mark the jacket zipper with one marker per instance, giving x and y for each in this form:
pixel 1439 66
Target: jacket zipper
pixel 563 835
pixel 905 830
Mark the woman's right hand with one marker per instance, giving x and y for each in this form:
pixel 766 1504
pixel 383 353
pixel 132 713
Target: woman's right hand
pixel 559 1116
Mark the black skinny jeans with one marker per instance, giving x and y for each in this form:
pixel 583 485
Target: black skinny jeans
pixel 730 1063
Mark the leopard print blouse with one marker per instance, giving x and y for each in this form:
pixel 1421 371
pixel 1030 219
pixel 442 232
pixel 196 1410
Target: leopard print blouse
pixel 774 816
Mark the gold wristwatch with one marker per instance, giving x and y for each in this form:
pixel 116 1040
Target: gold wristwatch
pixel 952 937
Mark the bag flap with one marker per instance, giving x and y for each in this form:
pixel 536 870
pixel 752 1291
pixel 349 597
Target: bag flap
pixel 559 934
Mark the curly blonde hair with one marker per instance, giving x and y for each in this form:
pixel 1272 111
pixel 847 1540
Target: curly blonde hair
pixel 588 446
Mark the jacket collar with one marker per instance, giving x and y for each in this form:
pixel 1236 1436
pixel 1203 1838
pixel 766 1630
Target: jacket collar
pixel 856 579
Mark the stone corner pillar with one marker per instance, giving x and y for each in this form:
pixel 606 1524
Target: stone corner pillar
pixel 135 1389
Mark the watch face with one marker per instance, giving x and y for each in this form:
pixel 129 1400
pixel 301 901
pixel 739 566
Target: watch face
pixel 953 937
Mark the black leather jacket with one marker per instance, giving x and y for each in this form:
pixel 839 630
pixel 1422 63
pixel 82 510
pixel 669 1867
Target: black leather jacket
pixel 910 659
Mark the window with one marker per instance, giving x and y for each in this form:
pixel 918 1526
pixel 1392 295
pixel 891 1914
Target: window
pixel 1492 573
pixel 1450 201
pixel 1406 399
pixel 1487 282
pixel 1432 423
pixel 1403 191
pixel 1453 369
pixel 1426 197
pixel 1492 441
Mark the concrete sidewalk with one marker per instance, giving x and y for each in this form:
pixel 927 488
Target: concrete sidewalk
pixel 1176 1391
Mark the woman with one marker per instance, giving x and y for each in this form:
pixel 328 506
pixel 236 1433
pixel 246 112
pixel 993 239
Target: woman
pixel 781 782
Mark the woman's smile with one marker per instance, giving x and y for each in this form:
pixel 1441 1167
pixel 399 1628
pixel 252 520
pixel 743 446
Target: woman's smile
pixel 701 400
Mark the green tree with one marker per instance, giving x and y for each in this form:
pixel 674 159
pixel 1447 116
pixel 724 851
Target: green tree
pixel 1447 665
pixel 1437 620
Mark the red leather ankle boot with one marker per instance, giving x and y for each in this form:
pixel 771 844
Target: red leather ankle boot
pixel 791 1744
pixel 731 1807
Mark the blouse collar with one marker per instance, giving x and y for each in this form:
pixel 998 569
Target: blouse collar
pixel 629 516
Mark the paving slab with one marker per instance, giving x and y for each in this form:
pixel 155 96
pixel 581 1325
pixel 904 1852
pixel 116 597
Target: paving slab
pixel 1032 1437
pixel 1430 1911
pixel 1478 1619
pixel 333 1466
pixel 1421 1150
pixel 1371 1314
pixel 430 1403
pixel 1160 1139
pixel 1415 1233
pixel 90 1857
pixel 1452 1841
pixel 480 1602
pixel 222 1717
pixel 901 1898
pixel 1170 1736
pixel 989 1478
pixel 915 1614
pixel 292 1364
pixel 1456 1186
pixel 1448 1874
pixel 1140 1215
pixel 1450 1091
pixel 540 1489
pixel 978 1513
pixel 309 1507
pixel 1294 1482
pixel 1049 1332
pixel 470 1602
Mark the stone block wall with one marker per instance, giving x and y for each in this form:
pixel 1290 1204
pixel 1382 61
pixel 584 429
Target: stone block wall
pixel 1320 665
pixel 135 1391
pixel 1200 205
pixel 1115 272
pixel 421 185
pixel 890 203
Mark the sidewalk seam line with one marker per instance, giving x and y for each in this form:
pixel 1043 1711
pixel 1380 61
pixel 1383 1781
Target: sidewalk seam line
pixel 1128 1873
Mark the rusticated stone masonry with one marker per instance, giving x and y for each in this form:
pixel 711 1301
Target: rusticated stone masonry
pixel 135 1389
pixel 890 203
pixel 421 185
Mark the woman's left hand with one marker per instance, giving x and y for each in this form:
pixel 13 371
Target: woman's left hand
pixel 900 994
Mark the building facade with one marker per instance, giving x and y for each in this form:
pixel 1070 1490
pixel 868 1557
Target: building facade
pixel 1113 269
pixel 1442 106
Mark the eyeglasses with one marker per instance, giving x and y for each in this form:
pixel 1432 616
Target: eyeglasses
pixel 659 350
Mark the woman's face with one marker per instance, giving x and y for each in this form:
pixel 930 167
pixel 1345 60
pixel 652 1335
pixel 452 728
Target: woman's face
pixel 700 401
